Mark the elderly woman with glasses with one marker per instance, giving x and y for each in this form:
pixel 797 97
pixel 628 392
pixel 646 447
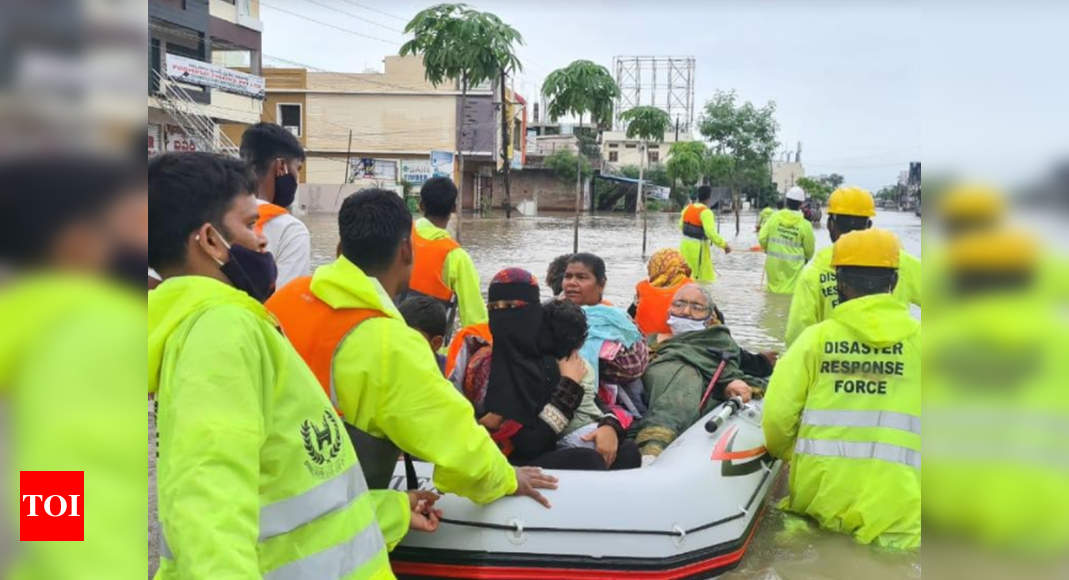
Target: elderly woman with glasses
pixel 684 362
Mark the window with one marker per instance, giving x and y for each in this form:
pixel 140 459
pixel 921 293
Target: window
pixel 630 145
pixel 289 116
pixel 614 156
pixel 655 156
pixel 613 145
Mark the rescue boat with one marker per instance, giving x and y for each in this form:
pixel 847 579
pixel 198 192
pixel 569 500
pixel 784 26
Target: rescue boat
pixel 692 513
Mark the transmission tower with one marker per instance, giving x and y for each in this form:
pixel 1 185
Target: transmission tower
pixel 665 82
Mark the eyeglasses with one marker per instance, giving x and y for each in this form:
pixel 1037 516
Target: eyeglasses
pixel 696 308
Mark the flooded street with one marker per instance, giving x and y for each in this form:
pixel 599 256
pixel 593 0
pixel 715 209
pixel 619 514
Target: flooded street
pixel 782 546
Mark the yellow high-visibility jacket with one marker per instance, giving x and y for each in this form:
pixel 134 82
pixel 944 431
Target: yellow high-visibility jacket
pixel 787 239
pixel 256 474
pixel 696 252
pixel 844 407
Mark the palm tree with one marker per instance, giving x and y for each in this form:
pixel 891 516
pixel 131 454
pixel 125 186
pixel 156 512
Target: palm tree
pixel 580 88
pixel 648 124
pixel 459 43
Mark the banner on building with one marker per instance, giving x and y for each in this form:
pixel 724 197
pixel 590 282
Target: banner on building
pixel 416 171
pixel 153 139
pixel 442 164
pixel 177 140
pixel 206 74
pixel 655 191
pixel 374 169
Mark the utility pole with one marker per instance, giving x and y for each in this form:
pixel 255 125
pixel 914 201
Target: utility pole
pixel 677 128
pixel 507 163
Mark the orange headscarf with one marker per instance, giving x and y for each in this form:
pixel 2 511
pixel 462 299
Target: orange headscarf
pixel 667 267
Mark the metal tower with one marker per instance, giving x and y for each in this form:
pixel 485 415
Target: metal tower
pixel 665 82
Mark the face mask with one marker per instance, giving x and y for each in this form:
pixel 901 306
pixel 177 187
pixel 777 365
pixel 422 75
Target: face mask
pixel 680 325
pixel 129 266
pixel 251 271
pixel 285 190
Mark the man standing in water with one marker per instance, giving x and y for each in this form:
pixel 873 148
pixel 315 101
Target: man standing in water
pixel 698 225
pixel 787 239
pixel 844 403
pixel 442 269
pixel 849 209
pixel 275 157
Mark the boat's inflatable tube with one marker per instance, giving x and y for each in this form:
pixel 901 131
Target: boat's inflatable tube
pixel 691 514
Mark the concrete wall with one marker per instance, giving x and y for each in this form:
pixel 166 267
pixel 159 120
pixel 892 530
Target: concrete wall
pixel 382 123
pixel 552 193
pixel 328 197
pixel 786 174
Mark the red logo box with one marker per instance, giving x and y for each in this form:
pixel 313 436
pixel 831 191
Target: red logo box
pixel 51 506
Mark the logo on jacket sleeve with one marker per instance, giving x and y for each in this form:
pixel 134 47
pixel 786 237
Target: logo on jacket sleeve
pixel 322 439
pixel 51 506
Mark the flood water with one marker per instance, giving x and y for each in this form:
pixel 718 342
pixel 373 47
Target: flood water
pixel 782 546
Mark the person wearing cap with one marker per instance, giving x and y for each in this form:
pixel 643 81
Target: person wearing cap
pixel 843 405
pixel 787 240
pixel 849 209
pixel 698 225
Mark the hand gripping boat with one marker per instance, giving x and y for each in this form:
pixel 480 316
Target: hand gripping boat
pixel 690 514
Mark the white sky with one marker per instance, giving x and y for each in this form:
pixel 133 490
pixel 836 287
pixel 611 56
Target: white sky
pixel 866 86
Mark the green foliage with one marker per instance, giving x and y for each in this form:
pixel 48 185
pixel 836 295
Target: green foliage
pixel 685 166
pixel 583 87
pixel 696 147
pixel 631 171
pixel 563 164
pixel 889 192
pixel 646 123
pixel 743 133
pixel 457 42
pixel 814 188
pixel 834 180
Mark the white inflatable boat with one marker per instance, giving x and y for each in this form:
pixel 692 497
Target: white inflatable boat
pixel 691 514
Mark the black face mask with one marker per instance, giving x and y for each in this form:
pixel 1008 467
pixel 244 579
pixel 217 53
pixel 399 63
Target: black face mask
pixel 285 190
pixel 129 266
pixel 250 271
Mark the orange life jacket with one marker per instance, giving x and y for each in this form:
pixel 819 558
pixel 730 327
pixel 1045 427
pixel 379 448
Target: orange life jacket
pixel 692 221
pixel 482 330
pixel 651 313
pixel 313 327
pixel 428 261
pixel 268 212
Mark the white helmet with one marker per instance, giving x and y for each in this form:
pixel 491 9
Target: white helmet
pixel 796 193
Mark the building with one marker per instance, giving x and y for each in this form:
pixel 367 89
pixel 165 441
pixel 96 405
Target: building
pixel 618 150
pixel 204 65
pixel 363 129
pixel 786 173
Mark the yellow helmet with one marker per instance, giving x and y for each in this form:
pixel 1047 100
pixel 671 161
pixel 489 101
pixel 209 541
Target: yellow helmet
pixel 972 202
pixel 850 200
pixel 1008 250
pixel 874 248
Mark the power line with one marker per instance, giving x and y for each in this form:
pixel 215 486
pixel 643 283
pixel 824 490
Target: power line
pixel 328 25
pixel 351 15
pixel 384 13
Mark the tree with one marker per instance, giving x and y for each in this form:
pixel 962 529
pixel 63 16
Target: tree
pixel 580 88
pixel 744 133
pixel 816 189
pixel 564 163
pixel 834 180
pixel 461 44
pixel 684 166
pixel 647 124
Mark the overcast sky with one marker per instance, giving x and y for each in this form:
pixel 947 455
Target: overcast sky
pixel 866 87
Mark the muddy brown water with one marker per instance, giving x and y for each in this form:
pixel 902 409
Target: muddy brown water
pixel 783 547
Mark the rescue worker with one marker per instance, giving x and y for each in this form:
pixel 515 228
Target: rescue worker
pixel 441 268
pixel 381 376
pixel 275 156
pixel 766 213
pixel 844 404
pixel 787 240
pixel 255 474
pixel 698 225
pixel 849 209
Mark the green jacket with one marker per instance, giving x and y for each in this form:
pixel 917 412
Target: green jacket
pixel 816 295
pixel 844 407
pixel 696 252
pixel 460 275
pixel 787 239
pixel 256 475
pixel 388 385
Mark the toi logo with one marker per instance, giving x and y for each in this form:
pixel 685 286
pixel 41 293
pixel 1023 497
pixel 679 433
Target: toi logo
pixel 51 506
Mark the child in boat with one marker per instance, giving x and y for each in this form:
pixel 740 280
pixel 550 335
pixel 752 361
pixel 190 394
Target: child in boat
pixel 426 315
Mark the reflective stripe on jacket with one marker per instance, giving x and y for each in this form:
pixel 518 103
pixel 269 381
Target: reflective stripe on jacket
pixel 844 406
pixel 651 310
pixel 787 239
pixel 256 476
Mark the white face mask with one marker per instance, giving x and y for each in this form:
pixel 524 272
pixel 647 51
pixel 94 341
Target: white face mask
pixel 680 325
